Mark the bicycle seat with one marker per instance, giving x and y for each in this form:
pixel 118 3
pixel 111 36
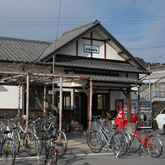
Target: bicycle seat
pixel 114 126
pixel 5 131
pixel 51 136
pixel 14 127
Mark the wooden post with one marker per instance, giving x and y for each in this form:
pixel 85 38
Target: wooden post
pixel 19 100
pixel 129 105
pixel 44 100
pixel 27 100
pixel 60 113
pixel 23 103
pixel 90 106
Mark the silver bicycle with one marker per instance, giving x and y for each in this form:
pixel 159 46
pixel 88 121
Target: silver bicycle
pixel 101 137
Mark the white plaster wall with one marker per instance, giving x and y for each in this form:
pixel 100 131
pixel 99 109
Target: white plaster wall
pixel 101 49
pixel 112 53
pixel 97 35
pixel 119 95
pixel 81 52
pixel 9 96
pixel 70 50
pixel 114 95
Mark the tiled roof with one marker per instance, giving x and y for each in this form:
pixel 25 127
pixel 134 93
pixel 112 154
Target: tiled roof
pixel 95 64
pixel 67 37
pixel 71 36
pixel 110 79
pixel 20 50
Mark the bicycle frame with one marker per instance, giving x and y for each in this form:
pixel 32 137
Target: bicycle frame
pixel 141 139
pixel 105 135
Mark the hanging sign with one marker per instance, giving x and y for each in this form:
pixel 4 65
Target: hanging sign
pixel 91 48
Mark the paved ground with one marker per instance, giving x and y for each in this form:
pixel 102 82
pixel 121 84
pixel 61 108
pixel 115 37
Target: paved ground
pixel 77 148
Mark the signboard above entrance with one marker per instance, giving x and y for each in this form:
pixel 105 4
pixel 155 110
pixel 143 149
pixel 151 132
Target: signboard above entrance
pixel 91 48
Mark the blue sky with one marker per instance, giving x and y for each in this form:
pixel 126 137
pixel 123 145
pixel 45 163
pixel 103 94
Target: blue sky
pixel 139 25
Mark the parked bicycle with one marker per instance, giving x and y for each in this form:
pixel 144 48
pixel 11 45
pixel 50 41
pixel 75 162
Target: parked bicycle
pixel 29 141
pixel 46 149
pixel 7 148
pixel 151 142
pixel 101 137
pixel 49 125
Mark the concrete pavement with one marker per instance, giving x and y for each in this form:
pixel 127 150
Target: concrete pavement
pixel 77 146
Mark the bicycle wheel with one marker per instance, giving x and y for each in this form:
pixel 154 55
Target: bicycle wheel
pixel 42 153
pixel 128 137
pixel 52 156
pixel 154 146
pixel 16 138
pixel 8 151
pixel 61 143
pixel 30 143
pixel 135 144
pixel 119 143
pixel 94 141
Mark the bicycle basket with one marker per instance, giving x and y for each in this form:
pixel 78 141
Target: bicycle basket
pixel 97 124
pixel 130 127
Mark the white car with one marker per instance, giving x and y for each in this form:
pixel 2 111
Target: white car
pixel 161 120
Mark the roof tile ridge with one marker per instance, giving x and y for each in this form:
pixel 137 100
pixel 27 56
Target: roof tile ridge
pixel 24 40
pixel 94 23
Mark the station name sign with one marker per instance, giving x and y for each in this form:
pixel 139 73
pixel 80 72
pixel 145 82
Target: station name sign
pixel 91 48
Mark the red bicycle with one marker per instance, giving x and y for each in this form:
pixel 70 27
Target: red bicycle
pixel 152 143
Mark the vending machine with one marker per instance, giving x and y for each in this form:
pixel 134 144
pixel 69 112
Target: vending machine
pixel 145 114
pixel 121 112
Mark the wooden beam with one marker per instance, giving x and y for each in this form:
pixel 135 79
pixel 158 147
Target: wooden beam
pixel 27 100
pixel 129 105
pixel 90 106
pixel 19 100
pixel 44 100
pixel 120 53
pixel 11 77
pixel 91 44
pixel 105 50
pixel 85 91
pixel 127 59
pixel 107 40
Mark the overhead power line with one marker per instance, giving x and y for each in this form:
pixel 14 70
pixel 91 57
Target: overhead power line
pixel 66 21
pixel 151 47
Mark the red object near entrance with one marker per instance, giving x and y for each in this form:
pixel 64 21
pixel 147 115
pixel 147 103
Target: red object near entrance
pixel 121 112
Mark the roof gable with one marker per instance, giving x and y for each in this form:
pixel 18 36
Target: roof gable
pixel 71 36
pixel 67 38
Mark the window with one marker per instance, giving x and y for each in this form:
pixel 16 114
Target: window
pixel 35 97
pixel 77 101
pixel 101 102
pixel 66 100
